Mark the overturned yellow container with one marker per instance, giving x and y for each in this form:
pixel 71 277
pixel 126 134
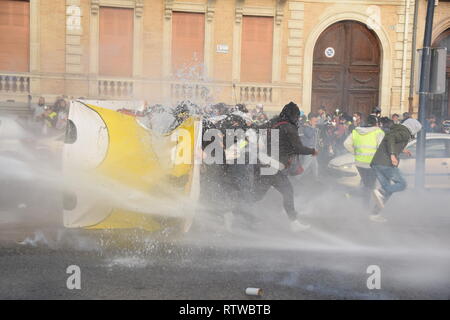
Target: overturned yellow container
pixel 121 175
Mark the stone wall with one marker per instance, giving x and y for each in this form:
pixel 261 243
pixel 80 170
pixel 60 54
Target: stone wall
pixel 64 47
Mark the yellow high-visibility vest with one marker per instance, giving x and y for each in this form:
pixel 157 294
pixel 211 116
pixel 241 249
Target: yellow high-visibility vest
pixel 365 145
pixel 49 119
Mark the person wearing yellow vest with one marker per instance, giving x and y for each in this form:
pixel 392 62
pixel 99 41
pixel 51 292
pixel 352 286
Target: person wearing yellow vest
pixel 363 142
pixel 49 117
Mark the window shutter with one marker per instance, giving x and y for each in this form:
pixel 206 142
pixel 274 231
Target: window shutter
pixel 14 36
pixel 188 33
pixel 116 42
pixel 256 51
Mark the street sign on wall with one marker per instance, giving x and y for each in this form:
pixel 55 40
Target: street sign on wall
pixel 222 48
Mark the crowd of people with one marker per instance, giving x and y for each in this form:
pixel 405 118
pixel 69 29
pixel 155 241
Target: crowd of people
pixel 309 142
pixel 306 144
pixel 435 125
pixel 49 119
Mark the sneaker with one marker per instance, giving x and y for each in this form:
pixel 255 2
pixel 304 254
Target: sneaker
pixel 377 218
pixel 228 219
pixel 379 198
pixel 297 226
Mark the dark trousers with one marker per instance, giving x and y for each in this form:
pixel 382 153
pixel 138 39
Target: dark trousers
pixel 241 180
pixel 368 177
pixel 281 183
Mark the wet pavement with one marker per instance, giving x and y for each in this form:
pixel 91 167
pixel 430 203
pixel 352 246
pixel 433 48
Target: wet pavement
pixel 330 261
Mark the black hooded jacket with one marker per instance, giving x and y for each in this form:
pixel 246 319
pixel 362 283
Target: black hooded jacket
pixel 290 143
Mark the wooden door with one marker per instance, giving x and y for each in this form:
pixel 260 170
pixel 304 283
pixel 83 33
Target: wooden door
pixel 346 71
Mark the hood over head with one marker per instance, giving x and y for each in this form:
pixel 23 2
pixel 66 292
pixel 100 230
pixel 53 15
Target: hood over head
pixel 372 121
pixel 376 109
pixel 290 113
pixel 365 130
pixel 413 126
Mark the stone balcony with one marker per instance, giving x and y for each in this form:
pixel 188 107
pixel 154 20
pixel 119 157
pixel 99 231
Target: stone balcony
pixel 197 92
pixel 17 87
pixel 252 93
pixel 115 88
pixel 14 84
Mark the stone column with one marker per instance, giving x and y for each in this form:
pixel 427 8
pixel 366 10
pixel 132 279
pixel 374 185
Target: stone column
pixel 94 48
pixel 209 39
pixel 138 53
pixel 74 31
pixel 237 30
pixel 35 47
pixel 167 47
pixel 294 60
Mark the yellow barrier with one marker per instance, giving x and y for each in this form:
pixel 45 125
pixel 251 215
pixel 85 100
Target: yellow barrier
pixel 131 156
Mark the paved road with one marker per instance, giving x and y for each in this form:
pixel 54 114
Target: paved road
pixel 329 261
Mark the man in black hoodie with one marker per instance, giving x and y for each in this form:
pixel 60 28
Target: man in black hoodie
pixel 290 146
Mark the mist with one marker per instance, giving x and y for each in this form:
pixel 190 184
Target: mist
pixel 342 239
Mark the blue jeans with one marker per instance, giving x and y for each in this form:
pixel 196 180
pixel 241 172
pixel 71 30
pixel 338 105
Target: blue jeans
pixel 390 178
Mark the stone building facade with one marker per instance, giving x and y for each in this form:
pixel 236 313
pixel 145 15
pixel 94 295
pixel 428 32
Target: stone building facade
pixel 249 51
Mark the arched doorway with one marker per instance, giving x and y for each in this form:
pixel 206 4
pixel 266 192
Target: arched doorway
pixel 440 103
pixel 346 68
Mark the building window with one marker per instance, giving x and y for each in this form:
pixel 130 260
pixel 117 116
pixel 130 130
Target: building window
pixel 188 41
pixel 257 47
pixel 14 35
pixel 116 42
